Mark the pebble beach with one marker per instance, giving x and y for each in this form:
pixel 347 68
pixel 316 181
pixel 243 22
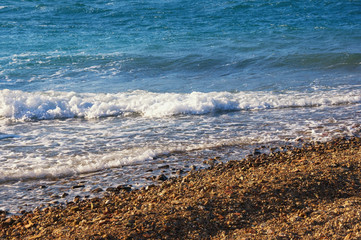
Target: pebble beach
pixel 311 192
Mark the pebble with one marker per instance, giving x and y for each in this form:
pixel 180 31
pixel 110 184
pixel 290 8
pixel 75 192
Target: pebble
pixel 112 189
pixel 161 177
pixel 76 199
pixel 64 195
pixel 97 190
pixel 77 186
pixel 55 196
pixel 124 187
pixel 164 167
pixel 257 151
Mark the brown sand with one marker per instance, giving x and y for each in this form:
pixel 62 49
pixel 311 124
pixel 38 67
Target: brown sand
pixel 308 193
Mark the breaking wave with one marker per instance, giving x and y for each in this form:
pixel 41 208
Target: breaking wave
pixel 19 105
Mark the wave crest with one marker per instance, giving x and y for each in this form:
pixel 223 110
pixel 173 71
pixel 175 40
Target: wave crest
pixel 19 105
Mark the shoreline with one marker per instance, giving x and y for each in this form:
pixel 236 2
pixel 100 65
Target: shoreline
pixel 309 192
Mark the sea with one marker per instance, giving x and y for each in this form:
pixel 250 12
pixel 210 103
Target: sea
pixel 106 93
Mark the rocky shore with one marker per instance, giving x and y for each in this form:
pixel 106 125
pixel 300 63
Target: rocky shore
pixel 313 192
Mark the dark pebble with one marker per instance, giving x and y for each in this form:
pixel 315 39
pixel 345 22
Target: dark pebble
pixel 256 152
pixel 3 213
pixel 77 186
pixel 112 189
pixel 161 177
pixel 164 167
pixel 64 195
pixel 97 190
pixel 124 187
pixel 54 196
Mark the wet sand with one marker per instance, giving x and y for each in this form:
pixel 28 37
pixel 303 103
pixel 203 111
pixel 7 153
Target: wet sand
pixel 313 192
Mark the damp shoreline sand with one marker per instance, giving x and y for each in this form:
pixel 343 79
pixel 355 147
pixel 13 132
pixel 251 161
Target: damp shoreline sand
pixel 303 193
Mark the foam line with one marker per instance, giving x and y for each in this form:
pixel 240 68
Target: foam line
pixel 19 105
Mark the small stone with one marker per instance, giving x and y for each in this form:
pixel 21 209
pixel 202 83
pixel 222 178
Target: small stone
pixel 54 196
pixel 76 199
pixel 64 195
pixel 149 187
pixel 97 190
pixel 77 186
pixel 193 168
pixel 112 189
pixel 257 151
pixel 3 213
pixel 164 167
pixel 125 188
pixel 161 177
pixel 9 221
pixel 29 225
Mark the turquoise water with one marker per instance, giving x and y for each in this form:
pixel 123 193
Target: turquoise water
pixel 179 46
pixel 101 90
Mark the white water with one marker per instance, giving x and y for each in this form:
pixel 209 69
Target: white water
pixel 18 105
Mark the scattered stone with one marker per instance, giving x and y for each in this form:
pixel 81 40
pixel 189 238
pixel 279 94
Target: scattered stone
pixel 8 222
pixel 126 188
pixel 76 199
pixel 112 190
pixel 161 177
pixel 77 186
pixel 164 167
pixel 64 195
pixel 97 190
pixel 3 213
pixel 55 196
pixel 257 151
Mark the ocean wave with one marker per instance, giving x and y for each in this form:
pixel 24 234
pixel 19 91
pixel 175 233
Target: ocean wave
pixel 19 105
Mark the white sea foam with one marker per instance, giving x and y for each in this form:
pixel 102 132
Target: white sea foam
pixel 43 168
pixel 21 105
pixel 37 167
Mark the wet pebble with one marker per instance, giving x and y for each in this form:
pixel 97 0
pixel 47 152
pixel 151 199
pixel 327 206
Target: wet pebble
pixel 161 177
pixel 76 199
pixel 112 189
pixel 55 196
pixel 64 195
pixel 256 151
pixel 97 190
pixel 164 167
pixel 125 188
pixel 77 186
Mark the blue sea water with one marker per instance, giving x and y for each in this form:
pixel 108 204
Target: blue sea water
pixel 102 91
